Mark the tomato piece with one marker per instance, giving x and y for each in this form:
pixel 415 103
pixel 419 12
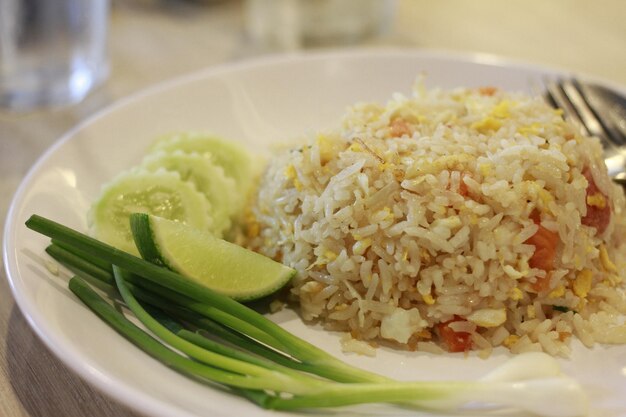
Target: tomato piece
pixel 487 91
pixel 599 213
pixel 399 127
pixel 456 341
pixel 535 216
pixel 545 242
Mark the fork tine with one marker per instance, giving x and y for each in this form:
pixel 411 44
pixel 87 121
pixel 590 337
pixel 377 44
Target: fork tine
pixel 611 114
pixel 571 88
pixel 559 99
pixel 569 97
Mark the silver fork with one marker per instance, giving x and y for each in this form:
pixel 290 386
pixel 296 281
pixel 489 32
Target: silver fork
pixel 596 111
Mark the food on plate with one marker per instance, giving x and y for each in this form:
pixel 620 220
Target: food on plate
pixel 461 220
pixel 250 355
pixel 194 178
pixel 450 221
pixel 197 254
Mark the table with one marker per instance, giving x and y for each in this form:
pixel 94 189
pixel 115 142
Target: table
pixel 154 40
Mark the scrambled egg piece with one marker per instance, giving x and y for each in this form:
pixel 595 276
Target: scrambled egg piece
pixel 450 162
pixel 401 324
pixel 606 261
pixel 326 148
pixel 290 172
pixel 596 200
pixel 486 125
pixel 557 292
pixel 312 287
pixel 355 147
pixel 516 294
pixel 545 197
pixel 324 259
pixel 428 299
pixel 510 340
pixel 330 255
pixel 582 283
pixel 485 169
pixel 577 261
pixel 531 129
pixel 384 166
pixel 501 110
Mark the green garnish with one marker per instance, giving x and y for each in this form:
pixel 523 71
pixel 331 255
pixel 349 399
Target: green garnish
pixel 256 358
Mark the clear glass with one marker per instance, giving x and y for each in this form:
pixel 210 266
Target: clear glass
pixel 52 52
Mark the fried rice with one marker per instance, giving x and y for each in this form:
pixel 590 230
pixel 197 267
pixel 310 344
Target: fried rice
pixel 450 220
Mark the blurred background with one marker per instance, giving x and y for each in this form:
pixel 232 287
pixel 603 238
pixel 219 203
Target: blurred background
pixel 140 43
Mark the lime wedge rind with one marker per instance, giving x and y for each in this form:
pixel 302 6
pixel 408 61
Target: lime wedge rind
pixel 142 235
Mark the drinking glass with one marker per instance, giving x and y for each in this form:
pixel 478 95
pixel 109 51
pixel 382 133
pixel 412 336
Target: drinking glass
pixel 295 24
pixel 52 52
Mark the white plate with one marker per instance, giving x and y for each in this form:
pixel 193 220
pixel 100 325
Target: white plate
pixel 256 103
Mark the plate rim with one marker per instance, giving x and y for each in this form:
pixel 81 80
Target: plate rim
pixel 128 396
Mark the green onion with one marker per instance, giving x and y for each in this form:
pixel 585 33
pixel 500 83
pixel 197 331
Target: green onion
pixel 259 377
pixel 146 342
pixel 80 265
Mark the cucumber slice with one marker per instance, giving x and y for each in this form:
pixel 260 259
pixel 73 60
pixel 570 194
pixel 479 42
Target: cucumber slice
pixel 208 178
pixel 232 157
pixel 219 265
pixel 161 193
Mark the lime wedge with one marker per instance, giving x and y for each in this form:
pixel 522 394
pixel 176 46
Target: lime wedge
pixel 219 265
pixel 160 193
